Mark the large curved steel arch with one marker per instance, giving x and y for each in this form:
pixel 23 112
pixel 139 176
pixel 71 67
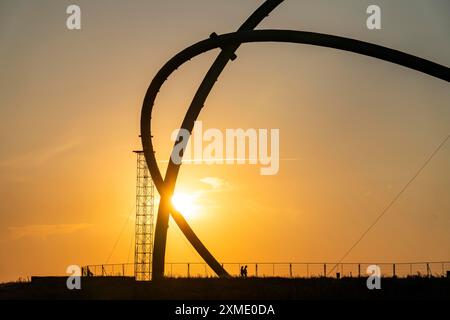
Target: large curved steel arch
pixel 233 40
pixel 162 220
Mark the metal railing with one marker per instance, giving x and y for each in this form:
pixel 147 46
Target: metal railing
pixel 281 269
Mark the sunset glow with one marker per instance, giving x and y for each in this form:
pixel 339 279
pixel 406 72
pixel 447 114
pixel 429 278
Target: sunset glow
pixel 350 132
pixel 186 204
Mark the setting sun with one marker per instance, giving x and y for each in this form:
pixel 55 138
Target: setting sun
pixel 186 204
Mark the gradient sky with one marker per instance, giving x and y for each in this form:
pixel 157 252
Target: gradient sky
pixel 359 129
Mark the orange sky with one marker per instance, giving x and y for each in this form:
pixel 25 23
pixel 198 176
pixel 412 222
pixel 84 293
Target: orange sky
pixel 358 129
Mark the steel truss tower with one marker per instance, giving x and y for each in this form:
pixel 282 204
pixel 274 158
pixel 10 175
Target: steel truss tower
pixel 145 195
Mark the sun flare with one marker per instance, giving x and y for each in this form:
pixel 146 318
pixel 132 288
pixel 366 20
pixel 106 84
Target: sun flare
pixel 186 204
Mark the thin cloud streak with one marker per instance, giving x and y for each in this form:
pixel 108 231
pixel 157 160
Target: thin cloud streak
pixel 225 159
pixel 44 230
pixel 40 157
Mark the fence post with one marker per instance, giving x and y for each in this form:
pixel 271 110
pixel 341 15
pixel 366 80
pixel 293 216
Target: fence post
pixel 307 270
pixel 273 269
pixel 290 270
pixel 393 270
pixel 103 270
pixel 324 269
pixel 256 269
pixel 188 271
pixel 123 270
pixel 359 270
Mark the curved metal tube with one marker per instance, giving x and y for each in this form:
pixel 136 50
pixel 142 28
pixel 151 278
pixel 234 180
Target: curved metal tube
pixel 162 221
pixel 232 39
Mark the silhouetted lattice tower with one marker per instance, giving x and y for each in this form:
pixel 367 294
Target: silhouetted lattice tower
pixel 145 195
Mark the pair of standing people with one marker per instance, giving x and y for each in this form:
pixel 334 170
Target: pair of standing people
pixel 244 271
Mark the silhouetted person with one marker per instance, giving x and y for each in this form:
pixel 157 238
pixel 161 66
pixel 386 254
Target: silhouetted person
pixel 245 272
pixel 242 271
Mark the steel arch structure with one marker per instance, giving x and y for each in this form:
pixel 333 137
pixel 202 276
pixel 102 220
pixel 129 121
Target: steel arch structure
pixel 229 44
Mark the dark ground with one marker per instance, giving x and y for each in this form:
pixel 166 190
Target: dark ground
pixel 217 289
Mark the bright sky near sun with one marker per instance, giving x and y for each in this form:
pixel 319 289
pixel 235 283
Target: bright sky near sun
pixel 353 131
pixel 186 203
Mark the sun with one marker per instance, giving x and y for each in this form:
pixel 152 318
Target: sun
pixel 186 204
